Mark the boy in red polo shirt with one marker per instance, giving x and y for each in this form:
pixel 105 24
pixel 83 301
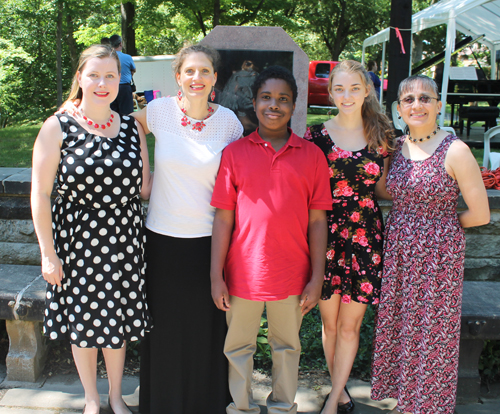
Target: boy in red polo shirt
pixel 269 235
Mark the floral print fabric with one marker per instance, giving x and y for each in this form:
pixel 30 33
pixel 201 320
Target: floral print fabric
pixel 417 335
pixel 354 250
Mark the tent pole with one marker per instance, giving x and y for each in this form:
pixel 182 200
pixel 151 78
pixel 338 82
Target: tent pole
pixel 493 51
pixel 411 53
pixel 363 56
pixel 450 43
pixel 382 68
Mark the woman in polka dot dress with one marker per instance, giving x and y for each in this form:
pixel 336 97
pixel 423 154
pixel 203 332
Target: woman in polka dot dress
pixel 92 246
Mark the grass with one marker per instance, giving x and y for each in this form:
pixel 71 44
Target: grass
pixel 317 116
pixel 16 143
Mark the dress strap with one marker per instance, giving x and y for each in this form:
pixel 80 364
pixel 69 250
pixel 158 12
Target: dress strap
pixel 445 144
pixel 66 121
pixel 399 142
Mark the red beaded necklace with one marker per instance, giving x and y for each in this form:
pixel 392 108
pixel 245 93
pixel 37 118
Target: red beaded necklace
pixel 93 123
pixel 198 126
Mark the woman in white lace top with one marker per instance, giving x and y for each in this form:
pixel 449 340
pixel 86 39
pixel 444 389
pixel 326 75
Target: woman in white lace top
pixel 188 335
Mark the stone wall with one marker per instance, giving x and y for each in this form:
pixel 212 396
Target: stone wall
pixel 18 243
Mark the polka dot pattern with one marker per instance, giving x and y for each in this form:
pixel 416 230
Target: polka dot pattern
pixel 99 236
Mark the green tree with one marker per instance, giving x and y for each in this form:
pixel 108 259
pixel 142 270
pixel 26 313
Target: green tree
pixel 342 25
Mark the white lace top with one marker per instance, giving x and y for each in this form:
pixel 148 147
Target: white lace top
pixel 186 164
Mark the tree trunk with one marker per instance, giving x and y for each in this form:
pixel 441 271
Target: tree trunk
pixel 128 30
pixel 399 63
pixel 216 13
pixel 73 48
pixel 60 9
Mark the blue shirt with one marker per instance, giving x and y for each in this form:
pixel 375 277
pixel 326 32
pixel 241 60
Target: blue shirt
pixel 376 83
pixel 127 64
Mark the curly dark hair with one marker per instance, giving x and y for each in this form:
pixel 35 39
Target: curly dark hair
pixel 275 72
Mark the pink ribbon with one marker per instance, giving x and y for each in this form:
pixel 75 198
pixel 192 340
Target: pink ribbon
pixel 398 35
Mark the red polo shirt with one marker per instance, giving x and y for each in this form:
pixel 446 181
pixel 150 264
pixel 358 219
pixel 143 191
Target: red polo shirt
pixel 271 193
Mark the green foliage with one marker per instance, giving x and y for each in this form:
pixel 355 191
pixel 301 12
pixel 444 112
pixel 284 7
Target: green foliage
pixel 362 364
pixel 312 356
pixel 262 357
pixel 489 362
pixel 133 349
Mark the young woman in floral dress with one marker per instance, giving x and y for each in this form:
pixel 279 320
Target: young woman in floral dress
pixel 356 144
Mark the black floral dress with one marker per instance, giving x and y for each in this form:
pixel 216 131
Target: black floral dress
pixel 354 250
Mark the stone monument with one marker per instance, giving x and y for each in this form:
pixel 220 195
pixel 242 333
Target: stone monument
pixel 246 51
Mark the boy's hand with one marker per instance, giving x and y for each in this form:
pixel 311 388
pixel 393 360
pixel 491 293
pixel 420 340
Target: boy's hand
pixel 220 295
pixel 310 296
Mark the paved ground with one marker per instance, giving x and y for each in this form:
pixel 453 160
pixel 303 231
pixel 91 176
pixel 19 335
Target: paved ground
pixel 63 394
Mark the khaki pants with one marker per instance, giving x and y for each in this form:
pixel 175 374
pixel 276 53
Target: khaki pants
pixel 243 320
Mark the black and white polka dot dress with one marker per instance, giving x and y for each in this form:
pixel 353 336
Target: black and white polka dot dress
pixel 99 237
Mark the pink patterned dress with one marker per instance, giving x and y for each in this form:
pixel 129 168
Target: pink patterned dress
pixel 417 333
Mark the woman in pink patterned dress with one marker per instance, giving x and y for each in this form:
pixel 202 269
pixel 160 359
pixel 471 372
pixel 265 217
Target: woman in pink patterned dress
pixel 355 144
pixel 417 333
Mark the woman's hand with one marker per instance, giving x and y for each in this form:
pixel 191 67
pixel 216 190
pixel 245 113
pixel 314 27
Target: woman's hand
pixel 142 117
pixel 52 269
pixel 69 106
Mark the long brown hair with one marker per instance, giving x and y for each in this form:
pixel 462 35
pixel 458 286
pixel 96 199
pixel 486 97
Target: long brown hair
pixel 209 52
pixel 94 51
pixel 377 127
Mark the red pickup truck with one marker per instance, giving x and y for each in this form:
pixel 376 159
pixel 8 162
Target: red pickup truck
pixel 319 71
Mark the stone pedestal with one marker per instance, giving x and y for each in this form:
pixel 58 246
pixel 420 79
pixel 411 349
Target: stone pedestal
pixel 469 381
pixel 27 350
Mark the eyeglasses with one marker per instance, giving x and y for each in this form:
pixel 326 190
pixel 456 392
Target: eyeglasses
pixel 424 100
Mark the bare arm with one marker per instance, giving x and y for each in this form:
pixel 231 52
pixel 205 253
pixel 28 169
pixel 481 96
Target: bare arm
pixel 221 236
pixel 142 117
pixel 46 157
pixel 380 189
pixel 317 235
pixel 147 175
pixel 461 165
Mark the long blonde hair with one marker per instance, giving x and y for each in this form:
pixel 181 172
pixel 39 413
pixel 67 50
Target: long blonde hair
pixel 377 127
pixel 94 51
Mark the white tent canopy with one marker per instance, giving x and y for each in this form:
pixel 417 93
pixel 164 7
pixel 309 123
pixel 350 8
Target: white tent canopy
pixel 471 17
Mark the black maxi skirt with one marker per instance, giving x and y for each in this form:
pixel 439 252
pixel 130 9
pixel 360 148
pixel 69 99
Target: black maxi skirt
pixel 183 366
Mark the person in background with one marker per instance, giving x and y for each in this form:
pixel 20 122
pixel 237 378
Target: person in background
pixel 356 144
pixel 372 68
pixel 417 333
pixel 92 245
pixel 124 102
pixel 269 236
pixel 183 367
pixel 105 41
